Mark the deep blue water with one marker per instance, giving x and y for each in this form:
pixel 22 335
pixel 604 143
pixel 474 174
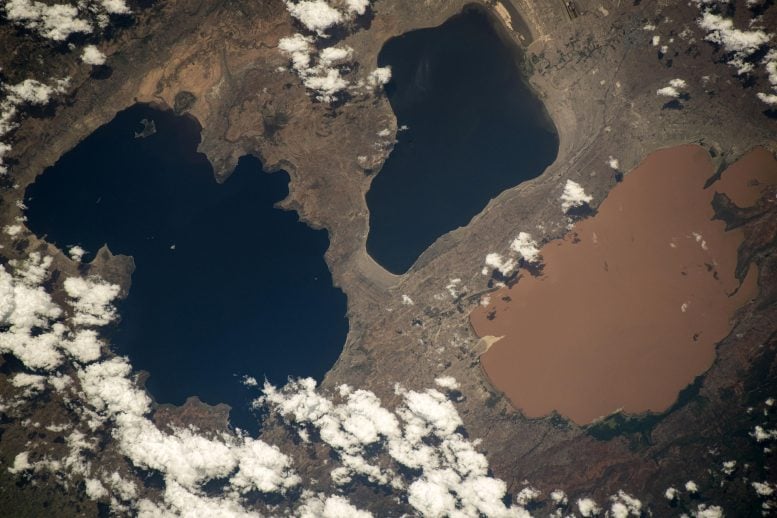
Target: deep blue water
pixel 475 130
pixel 245 289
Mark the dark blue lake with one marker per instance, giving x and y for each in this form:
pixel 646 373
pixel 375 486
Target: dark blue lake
pixel 475 130
pixel 225 284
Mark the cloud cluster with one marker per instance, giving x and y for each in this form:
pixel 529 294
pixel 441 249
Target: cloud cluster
pixel 31 383
pixel 504 265
pixel 76 253
pixel 447 383
pixel 527 495
pixel 357 7
pixel 35 332
pixel 55 22
pixel 741 46
pixel 455 288
pixel 318 15
pixel 674 89
pixel 186 458
pixel 766 493
pixel 322 70
pixel 453 476
pixel 574 196
pixel 711 511
pixel 318 505
pixel 34 92
pixel 109 400
pixel 12 230
pixel 40 334
pixel 319 71
pixel 559 497
pixel 624 505
pixel 770 65
pixel 588 507
pixel 379 77
pixel 91 300
pixel 315 15
pixel 422 434
pixel 24 307
pixel 418 450
pixel 522 248
pixel 559 503
pixel 526 247
pixel 58 22
pixel 21 463
pixel 27 92
pixel 91 55
pixel 763 488
pixel 762 435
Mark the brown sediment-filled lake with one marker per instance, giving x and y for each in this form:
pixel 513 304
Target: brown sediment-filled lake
pixel 631 302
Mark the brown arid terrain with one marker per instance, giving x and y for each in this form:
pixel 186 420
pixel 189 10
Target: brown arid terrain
pixel 596 71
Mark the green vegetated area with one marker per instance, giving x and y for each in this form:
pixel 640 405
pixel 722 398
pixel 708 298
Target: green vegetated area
pixel 623 424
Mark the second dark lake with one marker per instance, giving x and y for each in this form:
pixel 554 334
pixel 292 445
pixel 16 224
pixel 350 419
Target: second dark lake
pixel 225 284
pixel 475 129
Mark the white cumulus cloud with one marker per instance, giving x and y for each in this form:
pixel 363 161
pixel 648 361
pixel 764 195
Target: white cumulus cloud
pixel 447 382
pixel 588 507
pixel 91 299
pixel 91 55
pixel 574 196
pixel 315 15
pixel 56 22
pixel 526 247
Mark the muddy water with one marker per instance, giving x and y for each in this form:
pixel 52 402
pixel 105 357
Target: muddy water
pixel 631 302
pixel 745 181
